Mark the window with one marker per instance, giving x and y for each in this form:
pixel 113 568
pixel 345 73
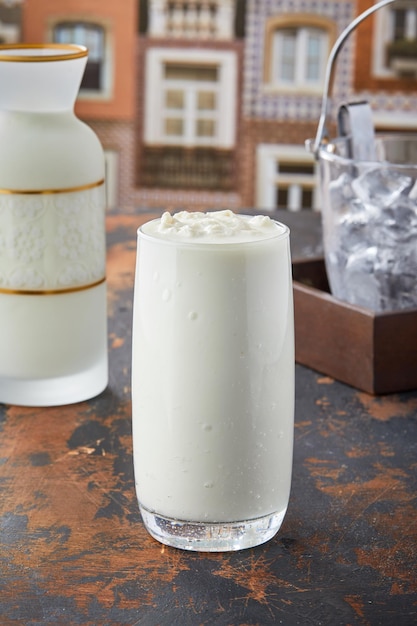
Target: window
pixel 190 95
pixel 404 21
pixel 295 182
pixel 190 98
pixel 286 178
pixel 93 37
pixel 395 51
pixel 299 57
pixel 296 53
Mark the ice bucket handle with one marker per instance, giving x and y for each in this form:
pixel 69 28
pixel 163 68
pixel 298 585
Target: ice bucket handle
pixel 314 146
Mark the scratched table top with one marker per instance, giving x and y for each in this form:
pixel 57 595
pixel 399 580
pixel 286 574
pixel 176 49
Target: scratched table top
pixel 73 549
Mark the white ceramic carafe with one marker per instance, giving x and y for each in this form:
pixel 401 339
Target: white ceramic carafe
pixel 53 318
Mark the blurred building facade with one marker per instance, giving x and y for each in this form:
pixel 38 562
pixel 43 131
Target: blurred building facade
pixel 206 104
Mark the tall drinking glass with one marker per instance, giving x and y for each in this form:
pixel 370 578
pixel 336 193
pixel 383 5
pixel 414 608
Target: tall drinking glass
pixel 213 379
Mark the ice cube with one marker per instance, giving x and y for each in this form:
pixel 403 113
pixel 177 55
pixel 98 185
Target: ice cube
pixel 335 268
pixel 399 222
pixel 361 285
pixel 340 193
pixel 396 271
pixel 382 186
pixel 413 192
pixel 355 227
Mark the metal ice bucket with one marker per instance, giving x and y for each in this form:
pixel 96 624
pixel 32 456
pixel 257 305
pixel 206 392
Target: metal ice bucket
pixel 368 190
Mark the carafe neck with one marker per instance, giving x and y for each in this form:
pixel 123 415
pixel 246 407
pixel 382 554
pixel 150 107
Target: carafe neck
pixel 40 78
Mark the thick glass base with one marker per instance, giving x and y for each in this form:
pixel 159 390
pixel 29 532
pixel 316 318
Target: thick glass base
pixel 55 391
pixel 211 537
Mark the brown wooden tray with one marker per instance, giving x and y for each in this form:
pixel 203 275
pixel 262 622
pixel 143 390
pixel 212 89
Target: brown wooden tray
pixel 374 352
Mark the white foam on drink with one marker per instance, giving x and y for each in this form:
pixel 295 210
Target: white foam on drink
pixel 212 227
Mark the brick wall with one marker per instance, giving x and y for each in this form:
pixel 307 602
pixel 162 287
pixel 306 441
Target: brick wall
pixel 363 76
pixel 255 132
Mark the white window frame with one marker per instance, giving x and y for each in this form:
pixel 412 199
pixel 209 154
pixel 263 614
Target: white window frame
pixel 224 61
pixel 300 82
pixel 384 34
pixel 111 162
pixel 189 114
pixel 268 178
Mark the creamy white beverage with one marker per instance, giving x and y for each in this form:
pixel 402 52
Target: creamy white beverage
pixel 213 373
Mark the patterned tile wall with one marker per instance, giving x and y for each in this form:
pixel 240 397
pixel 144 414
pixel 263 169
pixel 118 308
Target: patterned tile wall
pixel 261 105
pixel 257 103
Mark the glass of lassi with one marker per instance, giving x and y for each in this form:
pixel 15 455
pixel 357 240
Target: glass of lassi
pixel 213 379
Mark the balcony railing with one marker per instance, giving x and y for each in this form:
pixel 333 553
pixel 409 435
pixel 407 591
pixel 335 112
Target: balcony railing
pixel 402 56
pixel 191 19
pixel 170 167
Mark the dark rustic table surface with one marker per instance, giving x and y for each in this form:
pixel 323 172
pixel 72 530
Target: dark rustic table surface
pixel 73 549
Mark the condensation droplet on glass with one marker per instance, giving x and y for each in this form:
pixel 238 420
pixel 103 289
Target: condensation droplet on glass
pixel 156 276
pixel 209 484
pixel 166 295
pixel 207 427
pixel 192 316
